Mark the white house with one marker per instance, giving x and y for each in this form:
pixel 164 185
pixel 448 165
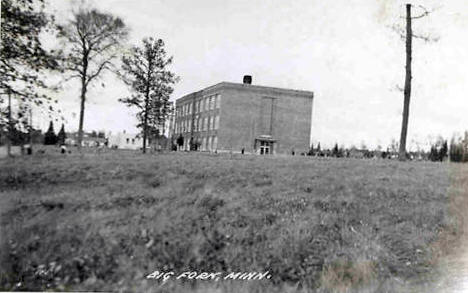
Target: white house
pixel 124 140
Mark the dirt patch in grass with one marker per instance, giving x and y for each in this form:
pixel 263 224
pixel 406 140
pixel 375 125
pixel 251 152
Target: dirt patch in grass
pixel 105 222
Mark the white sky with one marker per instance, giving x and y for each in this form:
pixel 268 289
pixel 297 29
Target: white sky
pixel 342 50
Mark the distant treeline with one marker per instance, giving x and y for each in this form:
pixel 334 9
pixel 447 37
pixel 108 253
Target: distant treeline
pixel 457 152
pixel 439 151
pixel 20 136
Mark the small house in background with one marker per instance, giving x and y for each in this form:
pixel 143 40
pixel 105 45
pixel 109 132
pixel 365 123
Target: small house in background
pixel 90 139
pixel 124 140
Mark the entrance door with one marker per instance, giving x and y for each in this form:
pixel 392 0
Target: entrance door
pixel 265 147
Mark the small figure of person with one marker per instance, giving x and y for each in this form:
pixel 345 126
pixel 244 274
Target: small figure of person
pixel 243 150
pixel 28 149
pixel 63 149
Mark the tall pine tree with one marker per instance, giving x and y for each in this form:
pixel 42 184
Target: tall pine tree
pixel 49 137
pixel 145 71
pixel 61 136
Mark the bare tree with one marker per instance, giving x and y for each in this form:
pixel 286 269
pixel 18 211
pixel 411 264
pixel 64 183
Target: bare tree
pixel 93 42
pixel 408 74
pixel 145 71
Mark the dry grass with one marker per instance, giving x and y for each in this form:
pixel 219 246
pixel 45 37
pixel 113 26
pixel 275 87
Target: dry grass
pixel 103 222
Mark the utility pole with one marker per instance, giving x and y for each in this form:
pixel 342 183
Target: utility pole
pixel 31 129
pixel 30 126
pixel 9 135
pixel 407 90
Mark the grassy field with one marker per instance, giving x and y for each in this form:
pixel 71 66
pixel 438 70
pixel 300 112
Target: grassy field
pixel 106 221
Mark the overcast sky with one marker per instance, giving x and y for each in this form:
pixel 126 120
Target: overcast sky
pixel 343 50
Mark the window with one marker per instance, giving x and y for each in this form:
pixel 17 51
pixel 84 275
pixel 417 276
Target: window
pixel 207 104
pixel 216 124
pixel 267 115
pixel 203 144
pixel 211 122
pixel 208 147
pixel 133 141
pixel 218 101
pixel 212 102
pixel 215 143
pixel 128 140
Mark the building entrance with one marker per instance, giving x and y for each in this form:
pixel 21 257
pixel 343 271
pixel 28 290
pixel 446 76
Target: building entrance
pixel 266 147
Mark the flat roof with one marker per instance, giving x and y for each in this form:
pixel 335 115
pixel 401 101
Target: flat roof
pixel 250 87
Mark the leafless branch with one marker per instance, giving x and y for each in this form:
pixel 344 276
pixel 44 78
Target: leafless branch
pixel 104 65
pixel 427 38
pixel 426 12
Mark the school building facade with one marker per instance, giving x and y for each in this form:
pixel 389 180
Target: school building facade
pixel 241 116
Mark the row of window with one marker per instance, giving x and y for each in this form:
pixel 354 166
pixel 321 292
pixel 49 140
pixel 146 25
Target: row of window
pixel 205 104
pixel 128 141
pixel 199 124
pixel 209 143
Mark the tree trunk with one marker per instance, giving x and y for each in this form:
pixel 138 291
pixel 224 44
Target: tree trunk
pixel 83 97
pixel 145 123
pixel 147 94
pixel 407 91
pixel 82 109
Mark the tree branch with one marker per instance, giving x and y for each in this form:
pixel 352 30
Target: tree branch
pixel 98 71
